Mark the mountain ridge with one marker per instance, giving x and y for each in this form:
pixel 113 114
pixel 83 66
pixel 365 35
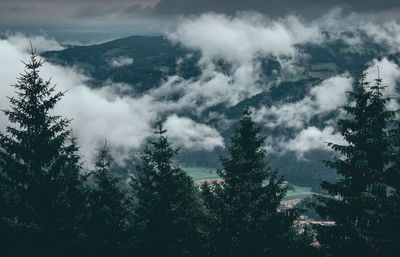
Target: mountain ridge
pixel 151 60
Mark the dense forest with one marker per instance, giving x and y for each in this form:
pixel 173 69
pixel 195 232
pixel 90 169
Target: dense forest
pixel 50 206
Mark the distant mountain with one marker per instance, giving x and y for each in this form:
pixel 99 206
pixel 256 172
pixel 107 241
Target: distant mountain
pixel 146 62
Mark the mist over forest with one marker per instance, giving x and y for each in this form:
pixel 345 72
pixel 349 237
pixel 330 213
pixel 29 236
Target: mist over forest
pixel 300 104
pixel 198 78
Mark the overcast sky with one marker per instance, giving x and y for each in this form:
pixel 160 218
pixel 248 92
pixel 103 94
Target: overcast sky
pixel 157 16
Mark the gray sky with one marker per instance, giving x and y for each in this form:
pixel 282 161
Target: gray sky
pixel 156 16
pixel 307 8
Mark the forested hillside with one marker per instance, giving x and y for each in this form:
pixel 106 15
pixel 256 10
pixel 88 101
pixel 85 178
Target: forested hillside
pixel 146 63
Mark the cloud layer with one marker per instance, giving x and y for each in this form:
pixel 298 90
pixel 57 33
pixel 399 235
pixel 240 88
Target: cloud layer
pixel 312 138
pixel 120 61
pixel 98 114
pixel 322 99
pixel 231 52
pixel 242 38
pixel 240 42
pixel 191 135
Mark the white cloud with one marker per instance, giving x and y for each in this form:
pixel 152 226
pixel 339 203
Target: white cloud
pixel 386 34
pixel 40 43
pixel 9 68
pixel 99 113
pixel 329 96
pixel 120 61
pixel 242 38
pixel 210 89
pixel 240 41
pixel 313 138
pixel 189 134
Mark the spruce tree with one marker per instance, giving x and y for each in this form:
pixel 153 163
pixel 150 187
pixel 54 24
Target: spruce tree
pixel 110 216
pixel 358 202
pixel 392 208
pixel 245 206
pixel 169 213
pixel 41 190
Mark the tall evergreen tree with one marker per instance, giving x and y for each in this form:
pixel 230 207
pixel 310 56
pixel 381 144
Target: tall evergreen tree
pixel 110 216
pixel 392 179
pixel 40 184
pixel 169 213
pixel 245 206
pixel 358 201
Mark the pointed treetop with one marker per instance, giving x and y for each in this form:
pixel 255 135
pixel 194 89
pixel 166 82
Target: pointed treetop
pixel 160 129
pixel 247 110
pixel 104 159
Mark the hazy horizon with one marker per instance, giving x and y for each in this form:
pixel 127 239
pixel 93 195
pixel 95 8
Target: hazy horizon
pixel 99 20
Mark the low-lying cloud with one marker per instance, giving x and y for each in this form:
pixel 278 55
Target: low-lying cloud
pixel 120 61
pixel 322 99
pixel 240 43
pixel 186 133
pixel 386 34
pixel 41 43
pixel 97 114
pixel 312 138
pixel 243 38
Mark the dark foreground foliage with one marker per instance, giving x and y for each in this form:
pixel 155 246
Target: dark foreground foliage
pixel 364 202
pixel 49 206
pixel 41 189
pixel 169 215
pixel 245 206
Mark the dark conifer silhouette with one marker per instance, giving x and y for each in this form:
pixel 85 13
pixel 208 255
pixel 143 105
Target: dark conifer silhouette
pixel 41 190
pixel 169 213
pixel 358 201
pixel 110 211
pixel 392 206
pixel 245 206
